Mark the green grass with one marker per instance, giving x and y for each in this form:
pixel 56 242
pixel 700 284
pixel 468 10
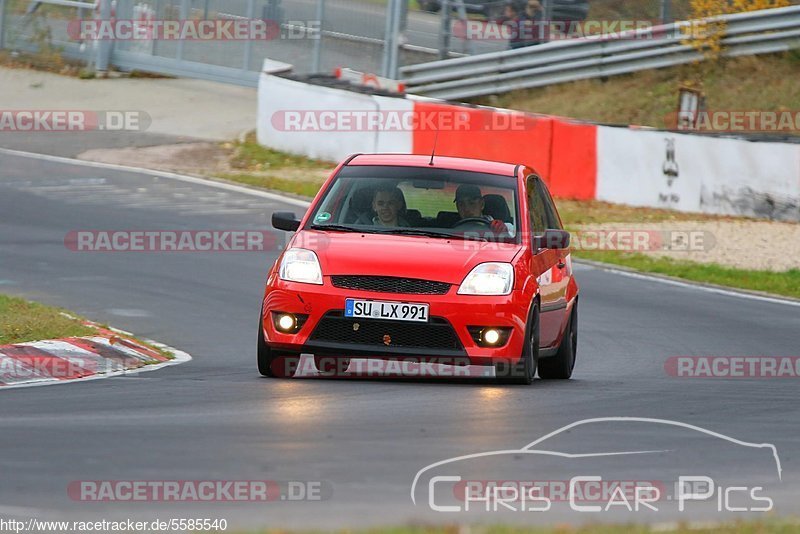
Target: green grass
pixel 249 155
pixel 580 212
pixel 276 183
pixel 650 98
pixel 22 321
pixel 264 167
pixel 576 213
pixel 779 283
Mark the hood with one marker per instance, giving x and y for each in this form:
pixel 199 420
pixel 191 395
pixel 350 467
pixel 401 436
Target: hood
pixel 426 258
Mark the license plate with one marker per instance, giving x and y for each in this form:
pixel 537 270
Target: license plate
pixel 380 309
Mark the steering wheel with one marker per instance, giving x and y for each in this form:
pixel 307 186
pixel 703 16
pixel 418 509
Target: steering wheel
pixel 472 220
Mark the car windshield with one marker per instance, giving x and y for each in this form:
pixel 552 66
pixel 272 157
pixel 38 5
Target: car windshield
pixel 420 201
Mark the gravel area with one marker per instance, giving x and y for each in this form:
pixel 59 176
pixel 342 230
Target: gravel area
pixel 191 158
pixel 174 107
pixel 743 244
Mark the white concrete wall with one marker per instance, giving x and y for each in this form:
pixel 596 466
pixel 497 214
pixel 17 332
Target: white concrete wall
pixel 278 98
pixel 636 167
pixel 714 175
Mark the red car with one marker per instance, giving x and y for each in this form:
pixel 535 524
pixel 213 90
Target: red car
pixel 431 259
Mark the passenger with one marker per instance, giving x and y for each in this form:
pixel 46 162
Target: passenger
pixel 390 206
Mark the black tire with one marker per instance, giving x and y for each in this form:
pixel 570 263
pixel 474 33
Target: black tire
pixel 331 365
pixel 560 366
pixel 522 371
pixel 274 364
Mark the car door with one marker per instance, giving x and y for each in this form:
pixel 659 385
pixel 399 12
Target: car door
pixel 551 265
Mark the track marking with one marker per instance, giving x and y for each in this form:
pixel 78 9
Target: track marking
pixel 689 285
pixel 129 312
pixel 161 174
pixel 179 358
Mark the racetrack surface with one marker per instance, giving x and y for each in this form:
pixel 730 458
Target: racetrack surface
pixel 215 418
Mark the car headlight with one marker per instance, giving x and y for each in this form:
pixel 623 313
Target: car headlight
pixel 488 279
pixel 301 265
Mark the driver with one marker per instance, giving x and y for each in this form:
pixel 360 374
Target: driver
pixel 470 204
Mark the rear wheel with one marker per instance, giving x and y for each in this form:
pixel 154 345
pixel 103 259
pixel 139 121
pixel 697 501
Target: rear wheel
pixel 561 365
pixel 272 363
pixel 523 370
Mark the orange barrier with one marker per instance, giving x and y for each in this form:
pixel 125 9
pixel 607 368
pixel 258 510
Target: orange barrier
pixel 563 153
pixel 573 160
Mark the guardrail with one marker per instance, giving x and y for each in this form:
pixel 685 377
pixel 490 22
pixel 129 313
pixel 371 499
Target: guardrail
pixel 756 32
pixel 71 3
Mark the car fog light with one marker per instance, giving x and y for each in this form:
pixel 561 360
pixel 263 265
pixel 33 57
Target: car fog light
pixel 286 322
pixel 491 336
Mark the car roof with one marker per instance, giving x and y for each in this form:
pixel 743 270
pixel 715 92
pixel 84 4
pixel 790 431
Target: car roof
pixel 439 162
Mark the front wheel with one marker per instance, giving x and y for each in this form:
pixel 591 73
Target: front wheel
pixel 561 365
pixel 271 363
pixel 523 371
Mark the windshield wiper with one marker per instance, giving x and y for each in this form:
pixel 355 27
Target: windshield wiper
pixel 430 233
pixel 336 228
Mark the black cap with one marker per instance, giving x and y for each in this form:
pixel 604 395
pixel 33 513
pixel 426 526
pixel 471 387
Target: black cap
pixel 467 192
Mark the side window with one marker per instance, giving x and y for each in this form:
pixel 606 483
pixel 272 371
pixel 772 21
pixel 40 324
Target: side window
pixel 537 210
pixel 550 207
pixel 333 207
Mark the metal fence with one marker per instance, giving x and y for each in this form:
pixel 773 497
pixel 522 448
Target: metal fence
pixel 376 36
pixel 443 36
pixel 314 36
pixel 569 60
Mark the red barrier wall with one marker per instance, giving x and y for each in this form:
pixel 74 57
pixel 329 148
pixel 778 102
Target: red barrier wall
pixel 563 153
pixel 573 160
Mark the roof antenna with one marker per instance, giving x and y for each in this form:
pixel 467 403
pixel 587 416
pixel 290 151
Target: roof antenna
pixel 433 152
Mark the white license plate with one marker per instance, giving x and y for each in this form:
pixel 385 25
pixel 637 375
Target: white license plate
pixel 380 309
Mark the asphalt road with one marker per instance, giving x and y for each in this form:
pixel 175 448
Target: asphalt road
pixel 72 144
pixel 215 418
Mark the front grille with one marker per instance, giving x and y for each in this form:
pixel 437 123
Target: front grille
pixel 436 334
pixel 390 284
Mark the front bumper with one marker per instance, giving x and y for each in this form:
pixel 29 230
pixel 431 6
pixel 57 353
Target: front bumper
pixel 449 312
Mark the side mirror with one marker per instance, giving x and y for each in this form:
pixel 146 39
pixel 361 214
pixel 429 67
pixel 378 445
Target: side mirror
pixel 552 239
pixel 285 220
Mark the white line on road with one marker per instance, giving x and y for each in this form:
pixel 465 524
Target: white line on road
pixel 161 174
pixel 689 285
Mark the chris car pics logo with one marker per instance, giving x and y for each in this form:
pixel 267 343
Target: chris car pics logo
pixel 594 479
